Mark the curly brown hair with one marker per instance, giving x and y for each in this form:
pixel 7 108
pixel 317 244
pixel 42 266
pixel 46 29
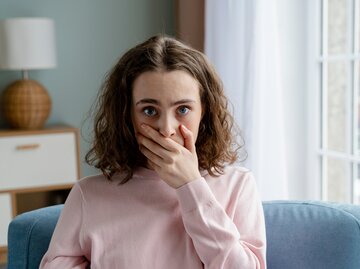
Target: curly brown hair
pixel 115 147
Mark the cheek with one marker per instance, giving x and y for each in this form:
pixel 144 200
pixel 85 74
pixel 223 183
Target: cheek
pixel 193 125
pixel 137 120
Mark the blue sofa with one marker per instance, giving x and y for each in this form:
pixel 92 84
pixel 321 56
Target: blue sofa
pixel 300 235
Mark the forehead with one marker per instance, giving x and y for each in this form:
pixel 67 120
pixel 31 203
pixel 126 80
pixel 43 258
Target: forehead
pixel 167 86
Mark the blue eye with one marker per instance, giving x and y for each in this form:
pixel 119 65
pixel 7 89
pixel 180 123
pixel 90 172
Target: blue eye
pixel 150 111
pixel 183 110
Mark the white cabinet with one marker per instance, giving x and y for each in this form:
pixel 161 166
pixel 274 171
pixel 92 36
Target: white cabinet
pixel 6 216
pixel 37 169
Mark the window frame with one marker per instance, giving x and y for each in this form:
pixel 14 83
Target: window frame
pixel 318 61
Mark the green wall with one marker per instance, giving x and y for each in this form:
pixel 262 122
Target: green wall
pixel 90 36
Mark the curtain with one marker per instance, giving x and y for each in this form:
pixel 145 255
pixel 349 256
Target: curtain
pixel 241 41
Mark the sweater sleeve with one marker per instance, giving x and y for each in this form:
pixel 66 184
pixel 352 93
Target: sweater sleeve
pixel 220 241
pixel 65 249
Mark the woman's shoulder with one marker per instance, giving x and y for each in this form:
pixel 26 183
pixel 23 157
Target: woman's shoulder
pixel 232 175
pixel 233 181
pixel 91 178
pixel 235 171
pixel 239 173
pixel 93 183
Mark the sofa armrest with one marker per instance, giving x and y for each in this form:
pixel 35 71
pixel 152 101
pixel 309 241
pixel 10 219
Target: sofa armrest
pixel 312 235
pixel 29 237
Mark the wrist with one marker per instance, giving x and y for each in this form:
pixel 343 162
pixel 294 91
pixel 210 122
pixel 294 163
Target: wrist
pixel 192 177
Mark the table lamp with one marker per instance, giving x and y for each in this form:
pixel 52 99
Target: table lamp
pixel 25 44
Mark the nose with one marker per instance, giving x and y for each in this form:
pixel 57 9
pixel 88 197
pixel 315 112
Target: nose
pixel 167 126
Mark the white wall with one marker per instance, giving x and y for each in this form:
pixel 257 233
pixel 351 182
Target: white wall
pixel 90 36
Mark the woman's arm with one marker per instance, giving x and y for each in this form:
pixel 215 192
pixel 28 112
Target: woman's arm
pixel 65 250
pixel 222 242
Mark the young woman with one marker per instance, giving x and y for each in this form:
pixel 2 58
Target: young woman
pixel 167 196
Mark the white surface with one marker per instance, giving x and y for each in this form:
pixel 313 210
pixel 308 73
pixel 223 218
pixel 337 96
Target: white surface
pixel 295 22
pixel 6 217
pixel 313 169
pixel 53 162
pixel 242 40
pixel 27 43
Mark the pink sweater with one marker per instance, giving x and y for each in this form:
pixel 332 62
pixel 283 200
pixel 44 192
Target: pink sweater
pixel 212 222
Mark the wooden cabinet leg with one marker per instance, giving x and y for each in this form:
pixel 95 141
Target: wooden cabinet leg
pixel 13 204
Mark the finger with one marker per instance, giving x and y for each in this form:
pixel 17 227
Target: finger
pixel 166 143
pixel 189 142
pixel 153 165
pixel 152 146
pixel 153 158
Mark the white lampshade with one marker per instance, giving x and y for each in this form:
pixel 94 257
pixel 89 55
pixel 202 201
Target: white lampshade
pixel 27 43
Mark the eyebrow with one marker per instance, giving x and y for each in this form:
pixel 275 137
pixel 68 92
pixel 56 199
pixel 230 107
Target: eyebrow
pixel 156 102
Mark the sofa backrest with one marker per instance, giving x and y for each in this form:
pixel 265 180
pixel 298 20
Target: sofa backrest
pixel 300 235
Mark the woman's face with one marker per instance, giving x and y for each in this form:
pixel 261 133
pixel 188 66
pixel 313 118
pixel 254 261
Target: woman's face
pixel 165 100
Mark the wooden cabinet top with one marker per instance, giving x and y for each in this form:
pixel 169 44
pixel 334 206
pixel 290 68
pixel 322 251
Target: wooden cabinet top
pixel 58 128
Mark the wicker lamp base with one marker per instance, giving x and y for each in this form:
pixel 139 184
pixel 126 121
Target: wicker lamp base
pixel 26 104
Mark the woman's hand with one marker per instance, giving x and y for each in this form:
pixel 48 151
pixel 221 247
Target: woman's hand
pixel 175 164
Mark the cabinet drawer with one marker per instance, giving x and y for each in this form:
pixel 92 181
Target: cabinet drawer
pixel 38 160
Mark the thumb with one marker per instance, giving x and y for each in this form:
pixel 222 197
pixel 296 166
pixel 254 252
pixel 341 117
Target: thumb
pixel 189 142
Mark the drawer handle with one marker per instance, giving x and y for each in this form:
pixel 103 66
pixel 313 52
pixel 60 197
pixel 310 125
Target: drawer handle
pixel 27 147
